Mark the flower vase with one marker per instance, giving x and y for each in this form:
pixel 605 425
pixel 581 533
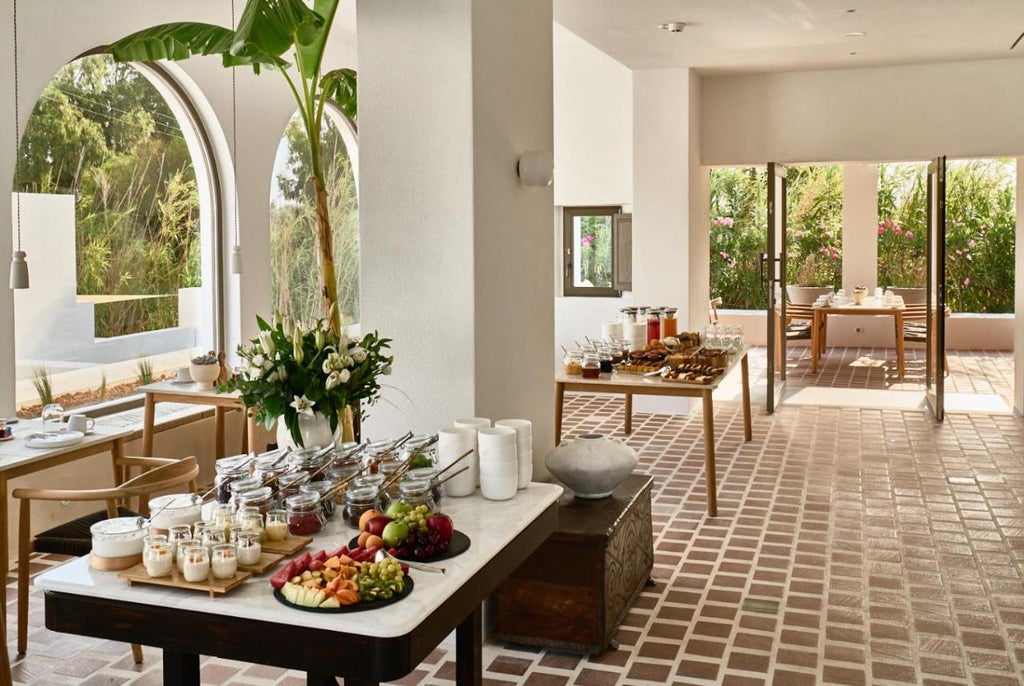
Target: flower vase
pixel 315 431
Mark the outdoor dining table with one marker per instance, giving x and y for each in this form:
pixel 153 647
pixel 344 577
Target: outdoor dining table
pixel 638 384
pixel 871 307
pixel 251 625
pixel 18 459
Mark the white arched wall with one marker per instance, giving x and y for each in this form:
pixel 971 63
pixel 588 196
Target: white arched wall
pixel 964 109
pixel 263 107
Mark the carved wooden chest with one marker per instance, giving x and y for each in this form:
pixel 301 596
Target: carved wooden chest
pixel 575 590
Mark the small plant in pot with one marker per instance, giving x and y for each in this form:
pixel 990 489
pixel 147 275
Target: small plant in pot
pixel 205 369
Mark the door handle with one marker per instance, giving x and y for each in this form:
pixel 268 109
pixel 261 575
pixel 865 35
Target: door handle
pixel 764 261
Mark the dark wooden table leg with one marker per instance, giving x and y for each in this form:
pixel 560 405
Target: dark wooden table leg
pixel 181 668
pixel 469 650
pixel 745 371
pixel 559 399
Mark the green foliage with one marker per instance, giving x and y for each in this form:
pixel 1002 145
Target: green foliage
pixel 595 250
pixel 103 133
pixel 43 384
pixel 293 223
pixel 144 368
pixel 290 369
pixel 980 231
pixel 739 231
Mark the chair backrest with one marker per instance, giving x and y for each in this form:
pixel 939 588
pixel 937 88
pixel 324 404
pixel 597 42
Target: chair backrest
pixel 713 310
pixel 173 473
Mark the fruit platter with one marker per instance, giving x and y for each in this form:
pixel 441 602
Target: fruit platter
pixel 342 581
pixel 410 532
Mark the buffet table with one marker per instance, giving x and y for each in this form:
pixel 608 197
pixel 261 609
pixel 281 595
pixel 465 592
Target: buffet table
pixel 630 385
pixel 250 625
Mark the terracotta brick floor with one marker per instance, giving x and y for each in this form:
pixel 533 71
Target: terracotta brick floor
pixel 852 546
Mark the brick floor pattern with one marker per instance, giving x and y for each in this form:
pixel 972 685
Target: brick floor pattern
pixel 853 546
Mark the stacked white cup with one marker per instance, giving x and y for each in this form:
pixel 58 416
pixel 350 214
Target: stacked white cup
pixel 499 469
pixel 452 443
pixel 524 447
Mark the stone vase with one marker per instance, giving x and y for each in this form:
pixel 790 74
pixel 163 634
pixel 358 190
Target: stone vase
pixel 592 465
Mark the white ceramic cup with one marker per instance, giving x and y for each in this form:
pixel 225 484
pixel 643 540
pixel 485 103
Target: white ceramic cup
pixel 498 487
pixel 497 437
pixel 472 423
pixel 184 375
pixel 451 443
pixel 524 447
pixel 504 455
pixel 79 422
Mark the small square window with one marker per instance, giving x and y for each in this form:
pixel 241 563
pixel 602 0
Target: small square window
pixel 596 251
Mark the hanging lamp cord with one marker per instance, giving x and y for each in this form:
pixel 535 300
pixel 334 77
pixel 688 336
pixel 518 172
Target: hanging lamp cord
pixel 234 130
pixel 17 126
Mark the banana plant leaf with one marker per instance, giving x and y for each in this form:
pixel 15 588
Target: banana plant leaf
pixel 340 86
pixel 312 53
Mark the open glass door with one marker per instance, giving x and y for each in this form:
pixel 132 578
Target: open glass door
pixel 773 275
pixel 935 371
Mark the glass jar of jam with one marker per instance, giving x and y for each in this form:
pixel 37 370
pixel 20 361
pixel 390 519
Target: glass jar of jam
pixel 320 488
pixel 241 485
pixel 604 357
pixel 417 492
pixel 358 500
pixel 428 474
pixel 591 366
pixel 229 469
pixel 342 470
pixel 304 517
pixel 572 363
pixel 270 466
pixel 288 484
pixel 379 453
pixel 256 498
pixel 307 460
pixel 653 325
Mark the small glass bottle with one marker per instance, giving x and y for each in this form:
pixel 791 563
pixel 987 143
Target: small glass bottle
pixel 653 325
pixel 591 368
pixel 357 501
pixel 304 517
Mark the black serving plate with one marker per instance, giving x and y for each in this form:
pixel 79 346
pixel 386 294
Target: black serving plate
pixel 358 607
pixel 460 544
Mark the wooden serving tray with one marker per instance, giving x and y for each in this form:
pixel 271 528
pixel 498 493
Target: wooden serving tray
pixel 215 587
pixel 267 560
pixel 288 546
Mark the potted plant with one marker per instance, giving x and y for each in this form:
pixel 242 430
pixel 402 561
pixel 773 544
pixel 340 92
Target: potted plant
pixel 267 31
pixel 307 376
pixel 811 281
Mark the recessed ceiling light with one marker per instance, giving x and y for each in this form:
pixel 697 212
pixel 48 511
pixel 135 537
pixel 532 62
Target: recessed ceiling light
pixel 853 53
pixel 673 26
pixel 851 10
pixel 854 34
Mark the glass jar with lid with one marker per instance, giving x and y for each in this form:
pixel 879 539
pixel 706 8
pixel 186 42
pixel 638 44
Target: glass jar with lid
pixel 320 489
pixel 572 363
pixel 591 366
pixel 249 519
pixel 240 485
pixel 229 469
pixel 256 498
pixel 421 450
pixel 416 493
pixel 380 453
pixel 343 470
pixel 669 323
pixel 388 469
pixel 304 517
pixel 288 484
pixel 653 325
pixel 270 466
pixel 604 357
pixel 307 460
pixel 429 474
pixel 358 500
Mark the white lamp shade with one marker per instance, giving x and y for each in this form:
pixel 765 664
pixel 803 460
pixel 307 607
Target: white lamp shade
pixel 19 270
pixel 536 168
pixel 236 260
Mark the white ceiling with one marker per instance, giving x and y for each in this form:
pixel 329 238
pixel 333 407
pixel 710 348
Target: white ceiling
pixel 790 35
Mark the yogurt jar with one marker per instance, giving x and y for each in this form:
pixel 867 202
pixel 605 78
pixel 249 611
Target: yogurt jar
pixel 249 548
pixel 118 537
pixel 224 561
pixel 175 509
pixel 159 559
pixel 196 566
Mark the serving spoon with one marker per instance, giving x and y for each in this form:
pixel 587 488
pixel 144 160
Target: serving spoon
pixel 384 555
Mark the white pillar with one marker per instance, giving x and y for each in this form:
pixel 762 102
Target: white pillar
pixel 661 199
pixel 860 226
pixel 456 252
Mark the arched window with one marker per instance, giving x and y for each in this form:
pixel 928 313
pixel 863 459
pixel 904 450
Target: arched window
pixel 116 206
pixel 293 256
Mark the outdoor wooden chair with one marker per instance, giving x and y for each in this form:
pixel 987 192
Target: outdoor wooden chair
pixel 799 327
pixel 158 475
pixel 915 327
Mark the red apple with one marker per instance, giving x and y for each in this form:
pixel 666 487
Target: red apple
pixel 443 525
pixel 375 526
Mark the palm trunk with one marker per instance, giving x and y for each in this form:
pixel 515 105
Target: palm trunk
pixel 325 247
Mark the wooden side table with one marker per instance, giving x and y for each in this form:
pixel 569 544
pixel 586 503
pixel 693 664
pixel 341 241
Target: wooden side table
pixel 576 589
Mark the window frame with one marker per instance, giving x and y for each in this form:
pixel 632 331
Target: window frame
pixel 569 289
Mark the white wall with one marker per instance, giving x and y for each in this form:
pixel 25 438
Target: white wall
pixel 593 134
pixel 966 109
pixel 860 226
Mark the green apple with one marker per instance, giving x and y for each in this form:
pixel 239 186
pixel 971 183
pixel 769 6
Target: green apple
pixel 398 508
pixel 395 532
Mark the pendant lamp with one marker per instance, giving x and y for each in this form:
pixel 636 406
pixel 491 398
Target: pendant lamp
pixel 236 249
pixel 19 267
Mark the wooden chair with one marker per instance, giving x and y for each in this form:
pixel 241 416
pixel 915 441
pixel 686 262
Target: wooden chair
pixel 799 327
pixel 159 474
pixel 915 326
